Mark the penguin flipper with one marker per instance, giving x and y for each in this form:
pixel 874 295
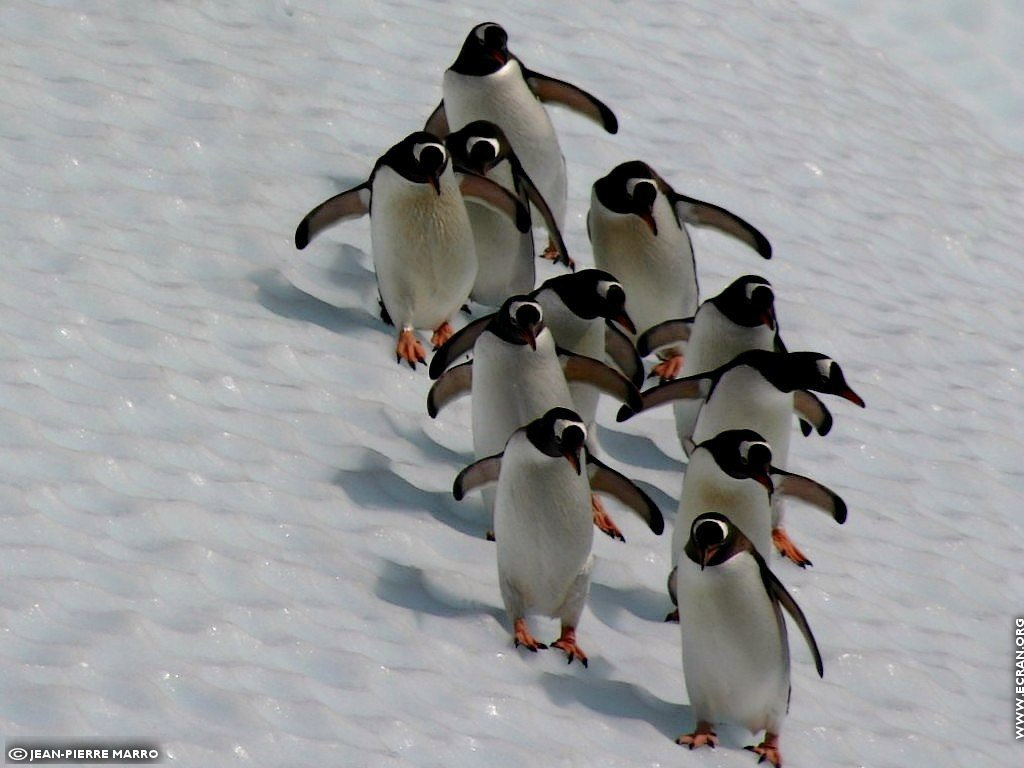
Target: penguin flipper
pixel 812 412
pixel 810 491
pixel 460 343
pixel 701 214
pixel 604 479
pixel 552 90
pixel 688 388
pixel 477 475
pixel 496 197
pixel 622 352
pixel 663 334
pixel 780 596
pixel 604 377
pixel 534 196
pixel 451 385
pixel 437 123
pixel 347 205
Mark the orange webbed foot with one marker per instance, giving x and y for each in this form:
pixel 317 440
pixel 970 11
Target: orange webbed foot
pixel 769 750
pixel 603 520
pixel 551 253
pixel 410 349
pixel 567 643
pixel 787 548
pixel 442 333
pixel 668 368
pixel 703 736
pixel 525 638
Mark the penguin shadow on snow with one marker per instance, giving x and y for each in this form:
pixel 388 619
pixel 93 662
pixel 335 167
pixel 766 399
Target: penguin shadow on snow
pixel 379 487
pixel 635 450
pixel 617 608
pixel 407 586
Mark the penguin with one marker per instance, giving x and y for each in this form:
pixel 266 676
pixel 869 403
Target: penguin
pixel 739 318
pixel 421 238
pixel 759 390
pixel 488 82
pixel 733 471
pixel 636 225
pixel 505 255
pixel 515 376
pixel 735 649
pixel 542 521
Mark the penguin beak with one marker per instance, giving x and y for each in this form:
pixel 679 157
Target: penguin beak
pixel 768 318
pixel 572 455
pixel 648 218
pixel 530 337
pixel 852 396
pixel 625 321
pixel 435 182
pixel 707 554
pixel 766 480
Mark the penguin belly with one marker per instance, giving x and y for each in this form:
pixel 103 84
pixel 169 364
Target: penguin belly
pixel 735 657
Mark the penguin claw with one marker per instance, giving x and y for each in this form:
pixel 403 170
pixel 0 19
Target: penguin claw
pixel 551 253
pixel 523 637
pixel 788 549
pixel 410 349
pixel 441 334
pixel 768 750
pixel 567 643
pixel 668 368
pixel 603 520
pixel 702 737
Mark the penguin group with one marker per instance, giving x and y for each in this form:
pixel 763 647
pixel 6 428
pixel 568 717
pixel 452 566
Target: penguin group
pixel 453 208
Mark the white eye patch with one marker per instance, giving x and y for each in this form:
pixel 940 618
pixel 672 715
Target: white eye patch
pixel 603 286
pixel 474 140
pixel 561 425
pixel 515 306
pixel 751 287
pixel 418 149
pixel 746 446
pixel 632 184
pixel 825 367
pixel 706 527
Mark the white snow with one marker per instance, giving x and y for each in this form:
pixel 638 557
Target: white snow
pixel 227 525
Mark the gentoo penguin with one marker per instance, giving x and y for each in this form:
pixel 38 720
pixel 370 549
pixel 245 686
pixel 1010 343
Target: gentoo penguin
pixel 739 318
pixel 733 471
pixel 505 254
pixel 735 648
pixel 422 241
pixel 759 390
pixel 487 82
pixel 516 375
pixel 637 229
pixel 542 521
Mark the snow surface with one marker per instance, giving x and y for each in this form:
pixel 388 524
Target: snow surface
pixel 227 524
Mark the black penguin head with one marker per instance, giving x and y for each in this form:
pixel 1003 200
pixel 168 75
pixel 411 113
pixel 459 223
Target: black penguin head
pixel 592 293
pixel 484 51
pixel 821 373
pixel 519 321
pixel 742 454
pixel 630 188
pixel 714 540
pixel 420 157
pixel 559 432
pixel 478 146
pixel 748 301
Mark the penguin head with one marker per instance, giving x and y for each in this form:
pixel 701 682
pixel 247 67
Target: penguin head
pixel 630 188
pixel 714 540
pixel 420 157
pixel 748 301
pixel 821 373
pixel 742 454
pixel 478 146
pixel 520 320
pixel 592 293
pixel 484 51
pixel 560 432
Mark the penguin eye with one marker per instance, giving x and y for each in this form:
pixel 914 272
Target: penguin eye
pixel 754 289
pixel 643 184
pixel 572 432
pixel 825 368
pixel 523 313
pixel 429 148
pixel 479 145
pixel 752 450
pixel 707 531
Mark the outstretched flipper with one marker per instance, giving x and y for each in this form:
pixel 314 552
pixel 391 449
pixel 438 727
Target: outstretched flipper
pixel 604 377
pixel 451 385
pixel 349 204
pixel 664 334
pixel 561 252
pixel 622 352
pixel 701 214
pixel 552 90
pixel 604 479
pixel 812 413
pixel 459 344
pixel 437 123
pixel 486 192
pixel 779 593
pixel 477 475
pixel 811 492
pixel 688 388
